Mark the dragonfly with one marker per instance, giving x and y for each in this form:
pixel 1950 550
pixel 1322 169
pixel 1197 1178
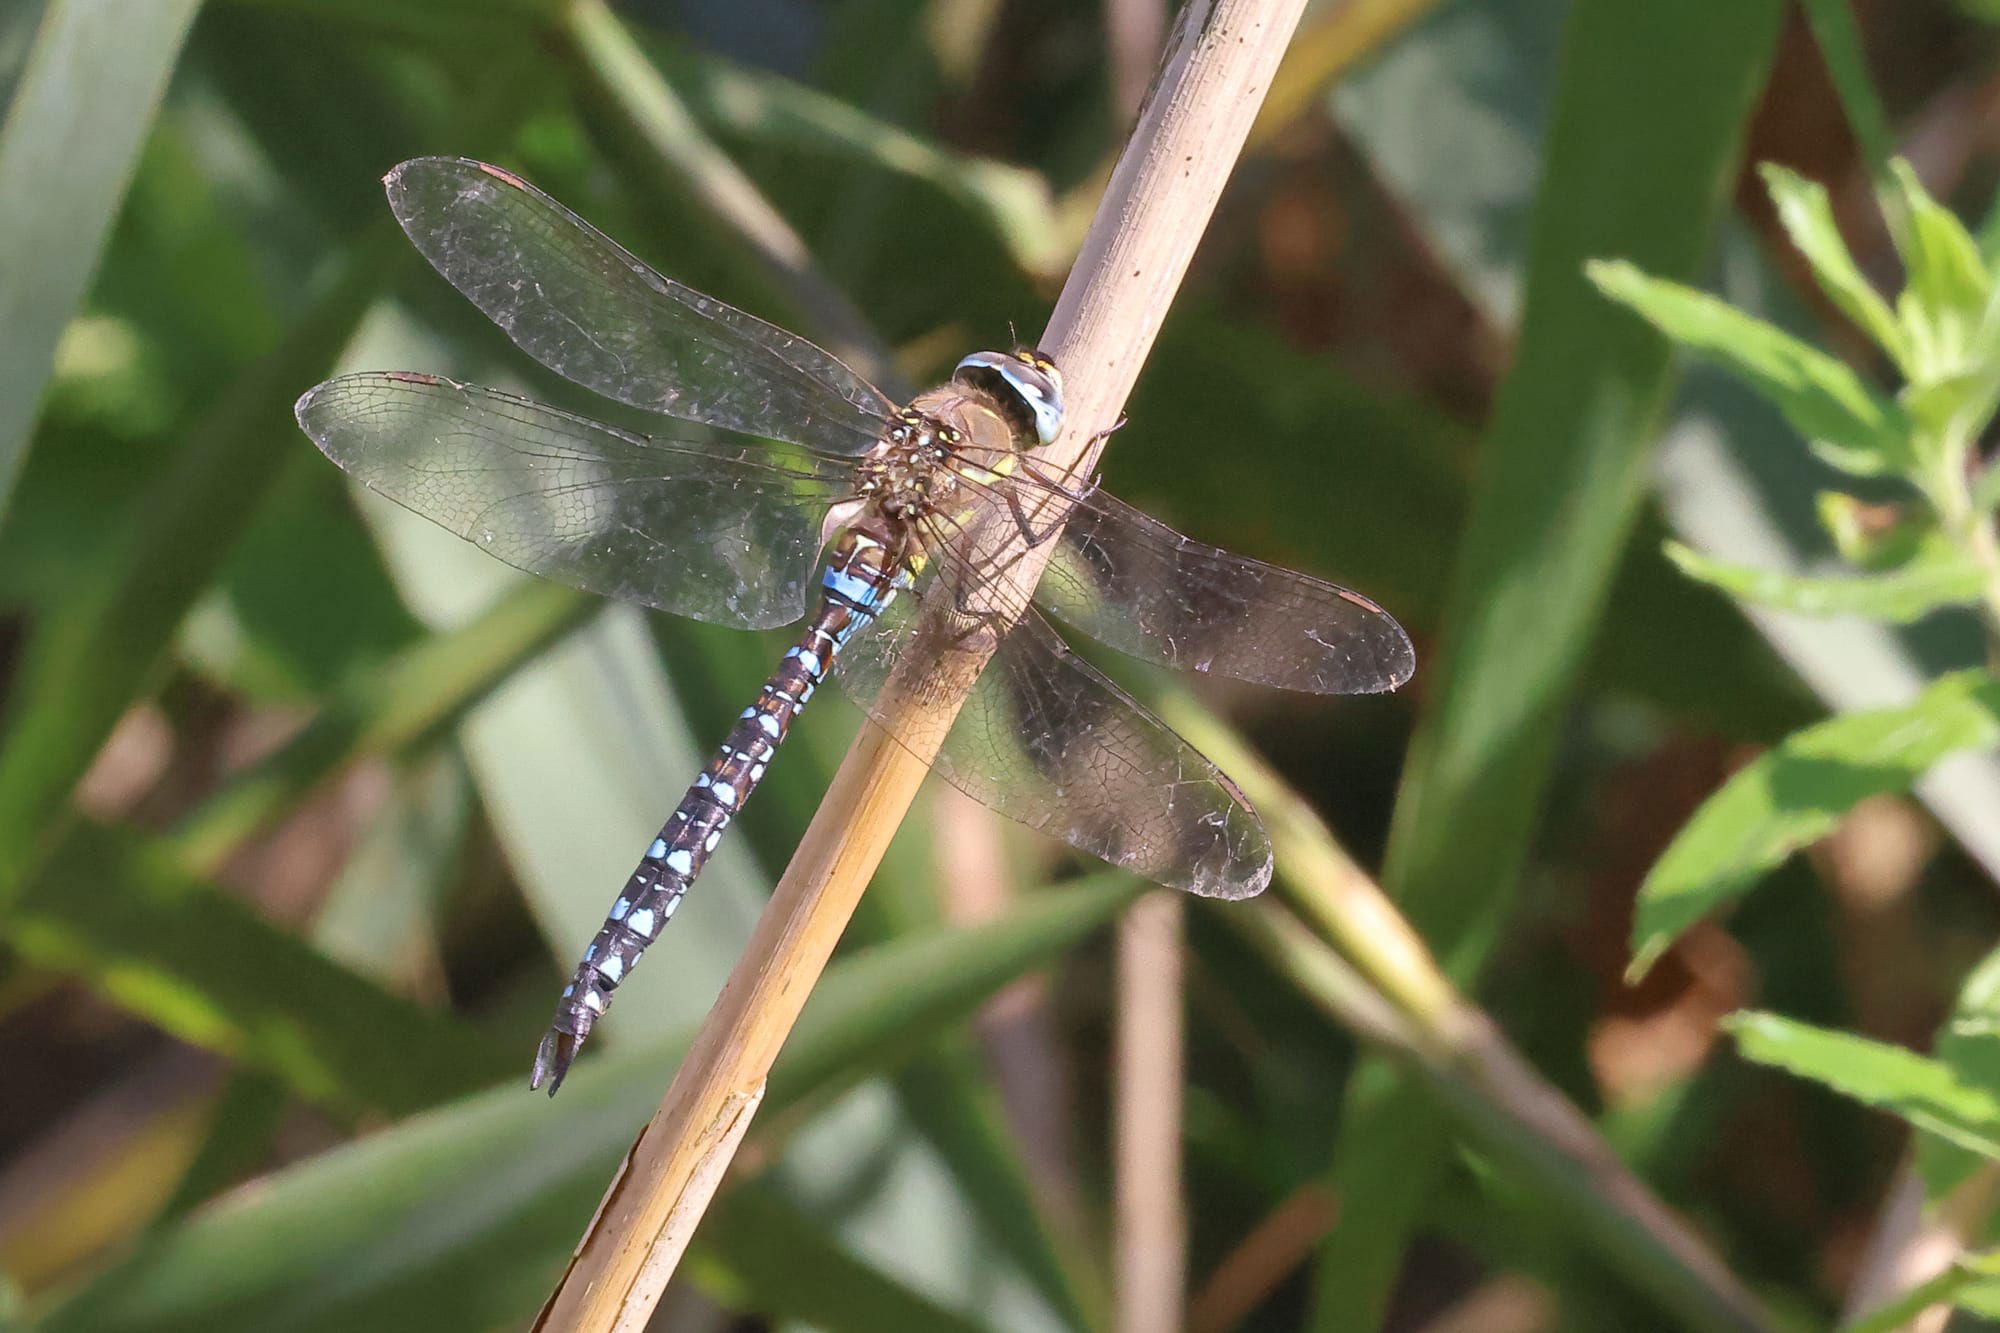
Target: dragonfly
pixel 774 461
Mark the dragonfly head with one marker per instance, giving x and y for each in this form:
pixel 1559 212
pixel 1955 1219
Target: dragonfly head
pixel 1026 383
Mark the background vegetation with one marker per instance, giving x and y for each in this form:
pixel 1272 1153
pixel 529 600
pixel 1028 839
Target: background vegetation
pixel 305 809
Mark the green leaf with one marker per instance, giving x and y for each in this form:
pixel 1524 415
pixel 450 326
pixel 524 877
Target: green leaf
pixel 758 1251
pixel 1904 595
pixel 766 110
pixel 117 912
pixel 86 661
pixel 1923 1091
pixel 68 147
pixel 1794 795
pixel 402 703
pixel 1948 285
pixel 1560 476
pixel 1849 424
pixel 1969 1042
pixel 1807 217
pixel 463 1218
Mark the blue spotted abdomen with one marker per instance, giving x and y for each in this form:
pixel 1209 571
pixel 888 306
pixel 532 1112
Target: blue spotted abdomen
pixel 855 589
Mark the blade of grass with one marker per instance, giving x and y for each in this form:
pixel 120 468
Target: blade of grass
pixel 407 701
pixel 1560 478
pixel 1379 980
pixel 177 952
pixel 68 147
pixel 1131 263
pixel 460 1217
pixel 86 662
pixel 1840 46
pixel 611 60
pixel 761 108
pixel 762 1253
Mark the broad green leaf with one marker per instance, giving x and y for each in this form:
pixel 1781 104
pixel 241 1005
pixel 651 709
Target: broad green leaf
pixel 1808 219
pixel 1560 477
pixel 1795 793
pixel 1899 596
pixel 463 1218
pixel 1848 423
pixel 118 913
pixel 1923 1091
pixel 68 146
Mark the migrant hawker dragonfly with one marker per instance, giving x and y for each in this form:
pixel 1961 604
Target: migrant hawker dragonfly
pixel 779 452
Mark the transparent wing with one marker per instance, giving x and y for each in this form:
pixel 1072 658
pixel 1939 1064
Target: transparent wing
pixel 1134 584
pixel 588 309
pixel 715 529
pixel 1045 739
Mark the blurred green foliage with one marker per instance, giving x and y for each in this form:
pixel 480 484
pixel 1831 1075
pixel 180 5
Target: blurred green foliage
pixel 304 810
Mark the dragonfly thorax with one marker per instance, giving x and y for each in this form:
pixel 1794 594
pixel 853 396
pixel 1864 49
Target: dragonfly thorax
pixel 908 475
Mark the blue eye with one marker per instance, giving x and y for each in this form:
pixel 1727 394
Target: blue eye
pixel 1033 385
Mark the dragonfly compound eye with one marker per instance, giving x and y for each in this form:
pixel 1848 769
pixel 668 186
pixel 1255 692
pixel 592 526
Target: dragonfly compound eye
pixel 1027 385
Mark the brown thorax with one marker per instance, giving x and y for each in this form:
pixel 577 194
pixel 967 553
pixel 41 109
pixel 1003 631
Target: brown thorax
pixel 929 462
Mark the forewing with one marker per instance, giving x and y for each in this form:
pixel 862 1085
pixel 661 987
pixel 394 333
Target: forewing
pixel 1134 584
pixel 709 528
pixel 588 309
pixel 1045 739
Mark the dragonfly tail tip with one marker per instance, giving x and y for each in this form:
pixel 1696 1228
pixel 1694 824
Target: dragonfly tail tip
pixel 553 1059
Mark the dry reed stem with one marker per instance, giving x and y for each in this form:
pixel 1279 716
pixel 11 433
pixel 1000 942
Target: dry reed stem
pixel 1150 1232
pixel 1335 929
pixel 1218 65
pixel 1268 1254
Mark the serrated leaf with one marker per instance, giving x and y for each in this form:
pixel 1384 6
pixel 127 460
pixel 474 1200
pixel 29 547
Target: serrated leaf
pixel 1794 795
pixel 1807 217
pixel 1923 1091
pixel 1900 596
pixel 1850 425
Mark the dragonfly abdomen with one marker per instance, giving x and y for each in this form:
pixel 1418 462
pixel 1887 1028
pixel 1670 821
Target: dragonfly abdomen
pixel 856 586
